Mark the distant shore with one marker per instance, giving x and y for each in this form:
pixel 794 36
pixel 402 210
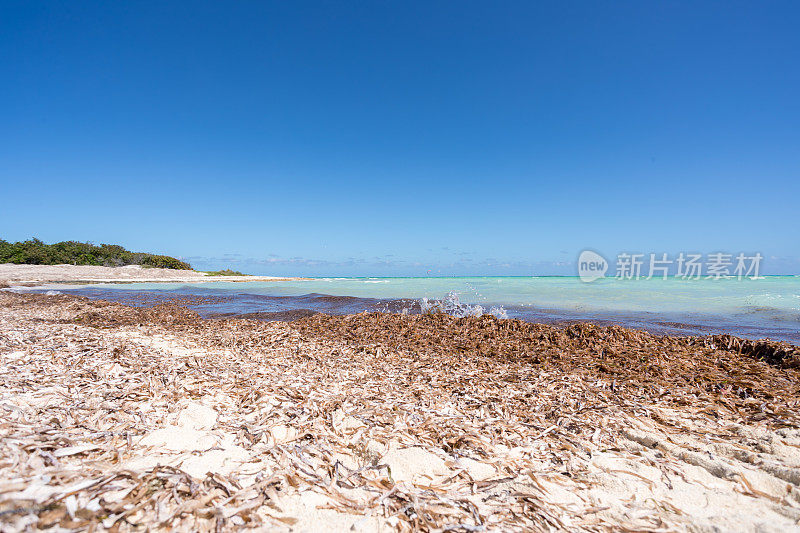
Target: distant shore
pixel 32 275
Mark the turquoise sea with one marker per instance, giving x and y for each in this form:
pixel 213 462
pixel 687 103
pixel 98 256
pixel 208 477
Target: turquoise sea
pixel 768 307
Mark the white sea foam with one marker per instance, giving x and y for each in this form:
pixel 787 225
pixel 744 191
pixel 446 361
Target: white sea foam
pixel 758 308
pixel 452 305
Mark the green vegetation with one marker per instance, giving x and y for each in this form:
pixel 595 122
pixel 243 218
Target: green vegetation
pixel 226 272
pixel 35 252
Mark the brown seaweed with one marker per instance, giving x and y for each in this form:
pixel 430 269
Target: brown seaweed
pixel 129 418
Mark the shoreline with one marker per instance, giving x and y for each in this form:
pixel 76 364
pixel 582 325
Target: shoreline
pixel 310 296
pixel 15 275
pixel 154 417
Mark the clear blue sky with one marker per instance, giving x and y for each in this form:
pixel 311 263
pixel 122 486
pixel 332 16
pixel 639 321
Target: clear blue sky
pixel 394 138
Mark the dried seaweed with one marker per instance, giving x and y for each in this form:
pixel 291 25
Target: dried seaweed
pixel 716 370
pixel 125 418
pixel 780 354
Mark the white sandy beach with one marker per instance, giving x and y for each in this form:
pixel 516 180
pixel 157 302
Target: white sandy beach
pixel 12 274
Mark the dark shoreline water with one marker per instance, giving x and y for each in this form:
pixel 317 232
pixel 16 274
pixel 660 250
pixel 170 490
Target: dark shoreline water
pixel 211 303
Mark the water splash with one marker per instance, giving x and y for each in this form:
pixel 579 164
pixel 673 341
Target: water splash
pixel 453 306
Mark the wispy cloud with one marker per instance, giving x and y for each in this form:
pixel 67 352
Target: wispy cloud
pixel 462 263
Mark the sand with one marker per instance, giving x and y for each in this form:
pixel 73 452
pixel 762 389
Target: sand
pixel 26 275
pixel 121 418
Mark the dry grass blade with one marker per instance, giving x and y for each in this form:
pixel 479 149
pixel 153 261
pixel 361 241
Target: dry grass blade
pixel 126 418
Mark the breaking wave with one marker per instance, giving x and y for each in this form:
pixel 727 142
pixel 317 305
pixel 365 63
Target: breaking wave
pixel 773 313
pixel 452 305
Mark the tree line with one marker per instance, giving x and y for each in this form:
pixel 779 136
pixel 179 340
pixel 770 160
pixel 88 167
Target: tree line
pixel 35 252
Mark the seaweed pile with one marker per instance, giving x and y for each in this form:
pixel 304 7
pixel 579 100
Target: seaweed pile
pixel 144 299
pixel 721 372
pixel 126 418
pixel 780 354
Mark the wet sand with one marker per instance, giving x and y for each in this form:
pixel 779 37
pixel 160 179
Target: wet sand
pixel 122 418
pixel 31 275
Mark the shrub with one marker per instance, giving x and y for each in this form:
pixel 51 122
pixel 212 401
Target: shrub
pixel 226 272
pixel 35 252
pixel 164 261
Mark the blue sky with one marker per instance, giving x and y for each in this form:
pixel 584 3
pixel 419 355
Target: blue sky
pixel 393 138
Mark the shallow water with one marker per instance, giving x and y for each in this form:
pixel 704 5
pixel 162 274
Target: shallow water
pixel 768 307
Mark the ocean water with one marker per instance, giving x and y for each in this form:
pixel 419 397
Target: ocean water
pixel 768 307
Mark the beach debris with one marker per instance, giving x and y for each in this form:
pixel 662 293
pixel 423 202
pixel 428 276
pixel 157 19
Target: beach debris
pixel 130 418
pixel 775 353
